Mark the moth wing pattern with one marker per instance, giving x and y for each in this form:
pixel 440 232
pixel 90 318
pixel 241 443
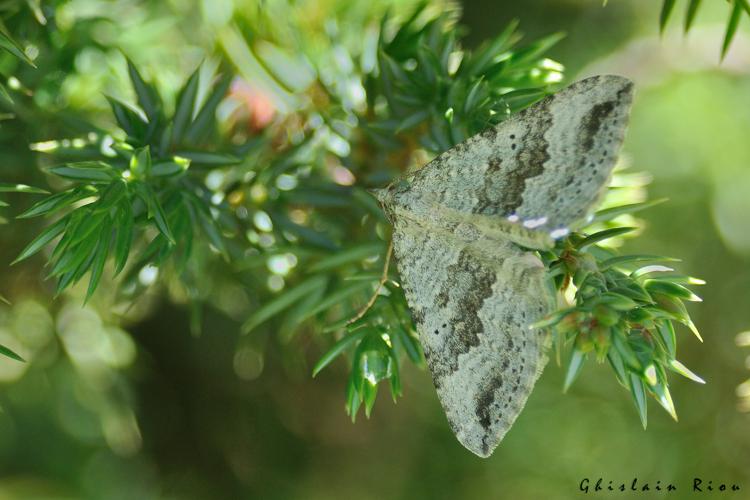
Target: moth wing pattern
pixel 471 302
pixel 460 225
pixel 544 168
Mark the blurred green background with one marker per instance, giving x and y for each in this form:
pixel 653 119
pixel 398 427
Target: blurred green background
pixel 141 408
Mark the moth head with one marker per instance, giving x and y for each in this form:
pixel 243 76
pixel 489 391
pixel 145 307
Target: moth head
pixel 392 192
pixel 390 195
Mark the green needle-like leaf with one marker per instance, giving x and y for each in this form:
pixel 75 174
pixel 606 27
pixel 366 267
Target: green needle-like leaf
pixel 664 397
pixel 734 22
pixel 666 333
pixel 55 202
pixel 553 318
pixel 648 270
pixel 338 296
pixel 347 256
pixel 638 391
pixel 20 188
pixel 93 171
pixel 613 212
pixel 123 237
pixel 674 307
pixel 622 260
pixel 140 163
pixel 170 168
pixel 624 349
pixel 283 301
pixel 40 241
pixel 369 393
pixel 338 348
pixel 8 43
pixel 112 195
pixel 207 115
pixel 691 12
pixel 603 235
pixel 127 118
pixel 353 400
pixel 148 98
pixel 76 258
pixel 666 12
pixel 155 210
pixel 616 301
pixel 183 113
pixel 207 159
pixel 618 366
pixel 198 211
pixel 100 257
pixel 5 351
pixel 574 368
pixel 684 371
pixel 536 49
pixel 411 346
pixel 5 95
pixel 89 223
pixel 672 289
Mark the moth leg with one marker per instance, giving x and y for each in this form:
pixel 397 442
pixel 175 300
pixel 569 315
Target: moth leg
pixel 381 283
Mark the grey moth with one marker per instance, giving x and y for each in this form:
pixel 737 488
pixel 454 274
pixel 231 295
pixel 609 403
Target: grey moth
pixel 465 227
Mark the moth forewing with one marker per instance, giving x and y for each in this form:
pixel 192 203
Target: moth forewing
pixel 543 169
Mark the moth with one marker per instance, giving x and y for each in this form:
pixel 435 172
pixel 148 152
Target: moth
pixel 465 230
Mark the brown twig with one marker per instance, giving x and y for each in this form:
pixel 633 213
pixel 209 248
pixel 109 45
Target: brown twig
pixel 383 279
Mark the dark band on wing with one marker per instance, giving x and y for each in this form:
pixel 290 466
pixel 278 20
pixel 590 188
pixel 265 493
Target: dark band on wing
pixel 531 153
pixel 465 325
pixel 484 403
pixel 592 122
